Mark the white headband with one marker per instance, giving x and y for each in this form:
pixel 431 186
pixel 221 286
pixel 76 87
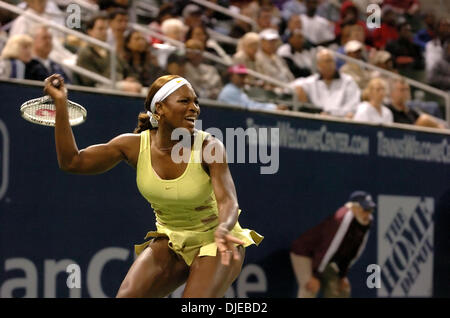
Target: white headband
pixel 167 89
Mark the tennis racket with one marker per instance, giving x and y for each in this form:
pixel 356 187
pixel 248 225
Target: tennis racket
pixel 42 110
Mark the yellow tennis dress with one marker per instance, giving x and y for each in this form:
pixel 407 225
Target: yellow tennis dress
pixel 185 208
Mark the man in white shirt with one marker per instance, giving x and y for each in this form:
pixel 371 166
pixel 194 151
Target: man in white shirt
pixel 316 29
pixel 337 94
pixel 434 48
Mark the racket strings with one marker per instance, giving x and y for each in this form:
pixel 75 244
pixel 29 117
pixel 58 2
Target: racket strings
pixel 42 111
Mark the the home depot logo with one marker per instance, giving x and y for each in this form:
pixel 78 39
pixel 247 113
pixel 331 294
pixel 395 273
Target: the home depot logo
pixel 405 246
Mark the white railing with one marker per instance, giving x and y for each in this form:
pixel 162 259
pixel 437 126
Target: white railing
pixel 425 87
pixel 222 37
pixel 82 36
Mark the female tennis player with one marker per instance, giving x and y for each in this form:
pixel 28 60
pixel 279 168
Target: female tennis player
pixel 198 238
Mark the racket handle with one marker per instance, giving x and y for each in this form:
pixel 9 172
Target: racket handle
pixel 56 83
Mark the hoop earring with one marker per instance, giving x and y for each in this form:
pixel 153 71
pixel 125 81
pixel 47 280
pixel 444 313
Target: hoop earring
pixel 156 116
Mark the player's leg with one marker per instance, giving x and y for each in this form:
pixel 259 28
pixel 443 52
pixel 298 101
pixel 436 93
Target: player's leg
pixel 209 278
pixel 155 273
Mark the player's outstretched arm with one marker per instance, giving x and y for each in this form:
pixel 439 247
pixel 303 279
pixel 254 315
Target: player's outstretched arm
pixel 92 160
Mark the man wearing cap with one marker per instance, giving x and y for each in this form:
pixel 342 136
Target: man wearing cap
pixel 322 256
pixel 268 62
pixel 355 49
pixel 233 93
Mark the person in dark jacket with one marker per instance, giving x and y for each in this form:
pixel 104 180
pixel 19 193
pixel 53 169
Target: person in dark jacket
pixel 41 66
pixel 322 256
pixel 405 52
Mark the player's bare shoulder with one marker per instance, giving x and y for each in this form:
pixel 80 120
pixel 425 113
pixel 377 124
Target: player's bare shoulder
pixel 129 145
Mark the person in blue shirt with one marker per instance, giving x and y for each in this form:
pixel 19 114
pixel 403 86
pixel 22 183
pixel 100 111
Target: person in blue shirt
pixel 233 93
pixel 423 36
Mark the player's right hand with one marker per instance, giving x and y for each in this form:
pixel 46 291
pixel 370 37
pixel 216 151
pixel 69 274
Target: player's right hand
pixel 56 93
pixel 313 285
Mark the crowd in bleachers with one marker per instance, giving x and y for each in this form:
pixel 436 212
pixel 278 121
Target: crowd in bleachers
pixel 290 41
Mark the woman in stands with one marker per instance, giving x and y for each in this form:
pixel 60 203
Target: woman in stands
pixel 15 55
pixel 141 63
pixel 372 108
pixel 198 239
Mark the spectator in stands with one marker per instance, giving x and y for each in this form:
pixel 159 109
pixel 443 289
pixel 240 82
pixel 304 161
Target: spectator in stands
pixel 410 7
pixel 268 62
pixel 245 54
pixel 360 75
pixel 166 11
pixel 293 8
pixel 382 59
pixel 41 66
pixel 192 15
pixel 405 53
pixel 264 19
pixel 110 5
pixel 400 95
pixel 174 29
pixel 293 23
pixel 299 59
pixel 176 64
pixel 425 35
pixel 204 78
pixel 240 27
pixel 200 33
pixel 440 73
pixel 349 33
pixel 336 94
pixel 118 23
pixel 371 109
pixel 387 30
pixel 322 256
pixel 316 29
pixel 247 48
pixel 215 19
pixel 97 59
pixel 349 16
pixel 434 48
pixel 141 64
pixel 233 92
pixel 15 55
pixel 330 9
pixel 23 24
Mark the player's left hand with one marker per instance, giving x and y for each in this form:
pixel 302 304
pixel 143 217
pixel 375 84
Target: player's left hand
pixel 226 244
